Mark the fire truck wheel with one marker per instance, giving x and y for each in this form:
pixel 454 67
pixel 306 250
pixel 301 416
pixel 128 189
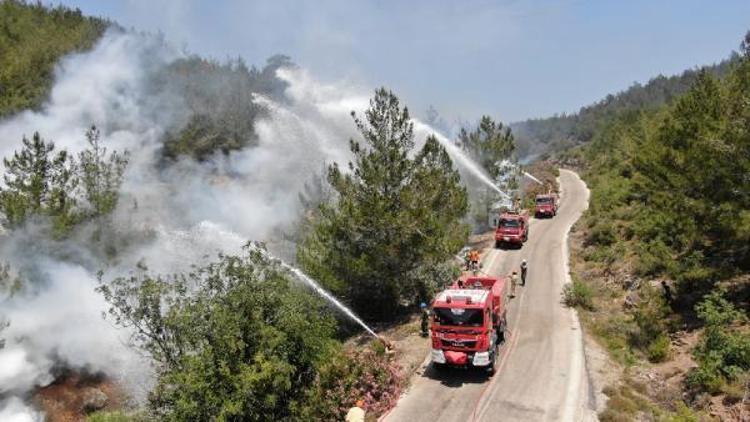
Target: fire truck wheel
pixel 498 244
pixel 438 367
pixel 493 362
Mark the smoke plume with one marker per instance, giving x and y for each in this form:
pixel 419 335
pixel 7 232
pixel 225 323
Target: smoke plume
pixel 169 216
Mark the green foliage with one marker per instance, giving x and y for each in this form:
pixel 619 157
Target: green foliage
pixel 659 349
pixel 117 416
pixel 33 38
pixel 237 339
pixel 603 233
pixel 723 354
pixel 39 181
pixel 42 182
pixel 578 294
pixel 651 320
pixel 394 216
pixel 489 143
pixel 101 175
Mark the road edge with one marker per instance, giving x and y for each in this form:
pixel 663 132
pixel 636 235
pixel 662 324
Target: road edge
pixel 578 404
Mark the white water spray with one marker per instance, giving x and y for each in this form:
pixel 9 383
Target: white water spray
pixel 319 290
pixel 461 157
pixel 527 174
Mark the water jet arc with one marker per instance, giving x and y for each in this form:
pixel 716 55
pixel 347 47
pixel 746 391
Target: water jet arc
pixel 527 174
pixel 319 290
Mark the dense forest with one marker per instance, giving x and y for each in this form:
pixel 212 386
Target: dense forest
pixel 668 231
pixel 544 136
pixel 32 39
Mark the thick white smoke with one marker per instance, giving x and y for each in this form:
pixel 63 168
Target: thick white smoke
pixel 173 217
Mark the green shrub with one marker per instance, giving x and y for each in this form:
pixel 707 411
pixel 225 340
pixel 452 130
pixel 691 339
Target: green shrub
pixel 579 295
pixel 116 416
pixel 706 376
pixel 603 233
pixel 684 414
pixel 651 320
pixel 734 392
pixel 654 257
pixel 723 354
pixel 658 350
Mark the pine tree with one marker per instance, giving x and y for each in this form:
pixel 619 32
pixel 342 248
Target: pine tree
pixel 393 215
pixel 37 181
pixel 489 143
pixel 101 175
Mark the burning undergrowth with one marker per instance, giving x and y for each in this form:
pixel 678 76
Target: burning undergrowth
pixel 73 395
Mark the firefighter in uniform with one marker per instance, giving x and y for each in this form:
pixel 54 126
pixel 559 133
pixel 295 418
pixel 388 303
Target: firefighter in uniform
pixel 524 269
pixel 425 319
pixel 474 259
pixel 513 283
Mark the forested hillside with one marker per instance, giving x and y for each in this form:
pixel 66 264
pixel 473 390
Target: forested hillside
pixel 666 238
pixel 541 137
pixel 32 39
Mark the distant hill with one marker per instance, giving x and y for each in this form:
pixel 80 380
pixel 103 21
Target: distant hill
pixel 544 136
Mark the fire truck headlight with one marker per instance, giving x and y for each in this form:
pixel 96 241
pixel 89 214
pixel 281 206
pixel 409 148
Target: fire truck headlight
pixel 438 356
pixel 481 359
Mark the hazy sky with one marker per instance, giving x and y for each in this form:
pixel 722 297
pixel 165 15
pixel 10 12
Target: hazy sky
pixel 509 59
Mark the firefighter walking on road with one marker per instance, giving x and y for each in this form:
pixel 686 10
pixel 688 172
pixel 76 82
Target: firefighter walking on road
pixel 513 283
pixel 524 269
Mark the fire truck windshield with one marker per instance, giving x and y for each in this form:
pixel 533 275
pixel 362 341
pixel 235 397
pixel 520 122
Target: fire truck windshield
pixel 510 223
pixel 544 200
pixel 459 316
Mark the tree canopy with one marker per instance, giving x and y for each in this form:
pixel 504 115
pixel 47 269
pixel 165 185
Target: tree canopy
pixel 42 182
pixel 240 339
pixel 489 143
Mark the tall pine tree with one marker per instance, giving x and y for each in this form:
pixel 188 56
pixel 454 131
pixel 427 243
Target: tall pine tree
pixel 395 216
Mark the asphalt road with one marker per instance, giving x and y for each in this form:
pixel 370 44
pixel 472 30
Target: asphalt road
pixel 542 372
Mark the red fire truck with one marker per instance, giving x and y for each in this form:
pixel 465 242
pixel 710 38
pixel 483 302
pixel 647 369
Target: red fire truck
pixel 512 228
pixel 546 205
pixel 468 323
